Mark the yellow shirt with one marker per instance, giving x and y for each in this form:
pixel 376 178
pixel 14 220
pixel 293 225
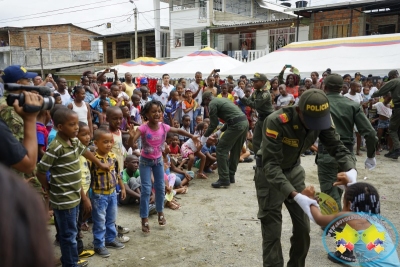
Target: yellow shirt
pixel 230 97
pixel 129 89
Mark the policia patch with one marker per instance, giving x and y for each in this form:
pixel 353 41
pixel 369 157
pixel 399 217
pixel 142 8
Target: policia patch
pixel 290 142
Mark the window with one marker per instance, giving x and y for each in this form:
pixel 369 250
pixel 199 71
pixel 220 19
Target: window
pixel 109 52
pixel 335 31
pixel 386 29
pixel 278 38
pixel 123 49
pixel 189 39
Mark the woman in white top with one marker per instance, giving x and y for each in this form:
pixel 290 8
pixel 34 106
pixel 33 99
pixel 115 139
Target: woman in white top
pixel 81 108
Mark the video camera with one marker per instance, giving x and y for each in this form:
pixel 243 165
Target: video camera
pixel 48 100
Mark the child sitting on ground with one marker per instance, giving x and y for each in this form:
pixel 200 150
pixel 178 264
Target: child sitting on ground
pixel 189 150
pixel 175 151
pixel 104 196
pixel 360 213
pixel 210 151
pixel 186 122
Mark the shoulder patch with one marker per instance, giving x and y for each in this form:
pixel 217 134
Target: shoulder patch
pixel 283 118
pixel 271 133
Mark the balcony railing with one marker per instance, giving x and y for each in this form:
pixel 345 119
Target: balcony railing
pixel 252 55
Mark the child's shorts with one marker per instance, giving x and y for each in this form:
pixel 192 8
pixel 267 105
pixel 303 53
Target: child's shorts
pixel 186 151
pixel 383 124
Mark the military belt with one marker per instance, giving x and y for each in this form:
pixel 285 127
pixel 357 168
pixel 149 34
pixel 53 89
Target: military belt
pixel 233 121
pixel 322 150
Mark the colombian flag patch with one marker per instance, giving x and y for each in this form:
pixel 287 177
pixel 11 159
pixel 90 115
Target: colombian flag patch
pixel 283 118
pixel 271 133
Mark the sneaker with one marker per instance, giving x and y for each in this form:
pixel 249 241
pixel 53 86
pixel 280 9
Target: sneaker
pixel 123 239
pixel 122 230
pixel 82 263
pixel 115 244
pixel 347 258
pixel 152 209
pixel 103 252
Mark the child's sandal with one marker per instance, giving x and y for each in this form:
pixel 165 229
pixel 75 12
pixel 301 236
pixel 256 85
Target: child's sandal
pixel 161 219
pixel 145 226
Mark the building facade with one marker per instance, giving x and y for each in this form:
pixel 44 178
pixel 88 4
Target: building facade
pixel 120 48
pixel 60 44
pixel 226 24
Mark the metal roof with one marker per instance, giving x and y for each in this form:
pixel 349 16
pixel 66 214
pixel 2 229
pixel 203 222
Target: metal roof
pixel 55 66
pixel 366 5
pixel 152 30
pixel 232 24
pixel 38 26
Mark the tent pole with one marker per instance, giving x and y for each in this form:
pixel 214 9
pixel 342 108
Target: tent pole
pixel 298 25
pixel 351 24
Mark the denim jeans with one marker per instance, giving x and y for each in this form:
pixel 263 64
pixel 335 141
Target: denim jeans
pixel 67 221
pixel 180 177
pixel 146 167
pixel 104 214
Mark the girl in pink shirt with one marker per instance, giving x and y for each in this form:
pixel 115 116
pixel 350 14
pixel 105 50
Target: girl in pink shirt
pixel 153 135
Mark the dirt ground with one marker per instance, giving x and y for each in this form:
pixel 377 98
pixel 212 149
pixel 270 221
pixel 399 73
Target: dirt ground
pixel 219 227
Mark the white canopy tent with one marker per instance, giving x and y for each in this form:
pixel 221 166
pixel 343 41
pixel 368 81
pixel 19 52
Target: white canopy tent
pixel 204 60
pixel 137 67
pixel 376 55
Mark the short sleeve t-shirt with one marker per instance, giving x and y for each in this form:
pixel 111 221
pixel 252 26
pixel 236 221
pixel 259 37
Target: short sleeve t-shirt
pixel 51 136
pixel 383 110
pixel 285 100
pixel 126 176
pixel 356 98
pixel 153 140
pixel 205 149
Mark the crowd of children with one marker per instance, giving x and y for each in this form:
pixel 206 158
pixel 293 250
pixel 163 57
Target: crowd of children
pixel 141 149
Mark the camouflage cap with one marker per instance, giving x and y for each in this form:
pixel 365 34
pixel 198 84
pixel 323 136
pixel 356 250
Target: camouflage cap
pixel 314 106
pixel 259 77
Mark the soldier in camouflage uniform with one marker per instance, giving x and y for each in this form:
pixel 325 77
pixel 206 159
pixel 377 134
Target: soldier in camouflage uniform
pixel 280 178
pixel 17 74
pixel 261 101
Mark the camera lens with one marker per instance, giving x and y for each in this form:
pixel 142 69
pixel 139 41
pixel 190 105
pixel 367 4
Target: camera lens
pixel 48 103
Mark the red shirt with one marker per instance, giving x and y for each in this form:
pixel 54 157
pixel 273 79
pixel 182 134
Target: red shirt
pixel 174 150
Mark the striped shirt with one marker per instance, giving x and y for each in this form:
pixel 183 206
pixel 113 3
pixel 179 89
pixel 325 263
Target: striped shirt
pixel 105 180
pixel 62 160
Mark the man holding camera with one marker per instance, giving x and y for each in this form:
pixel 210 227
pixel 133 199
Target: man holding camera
pixel 15 121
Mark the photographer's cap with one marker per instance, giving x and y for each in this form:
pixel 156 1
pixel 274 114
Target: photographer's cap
pixel 13 73
pixel 259 77
pixel 314 106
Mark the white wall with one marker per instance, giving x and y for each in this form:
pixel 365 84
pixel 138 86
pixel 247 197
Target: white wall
pixel 262 39
pixel 303 33
pixel 186 19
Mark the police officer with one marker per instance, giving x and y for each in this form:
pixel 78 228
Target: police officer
pixel 344 115
pixel 261 101
pixel 393 86
pixel 279 177
pixel 231 142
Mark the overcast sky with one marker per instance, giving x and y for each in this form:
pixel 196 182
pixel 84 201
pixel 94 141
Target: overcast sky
pixel 84 13
pixel 91 14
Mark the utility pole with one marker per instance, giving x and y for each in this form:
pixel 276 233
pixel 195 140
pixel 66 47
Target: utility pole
pixel 136 38
pixel 41 56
